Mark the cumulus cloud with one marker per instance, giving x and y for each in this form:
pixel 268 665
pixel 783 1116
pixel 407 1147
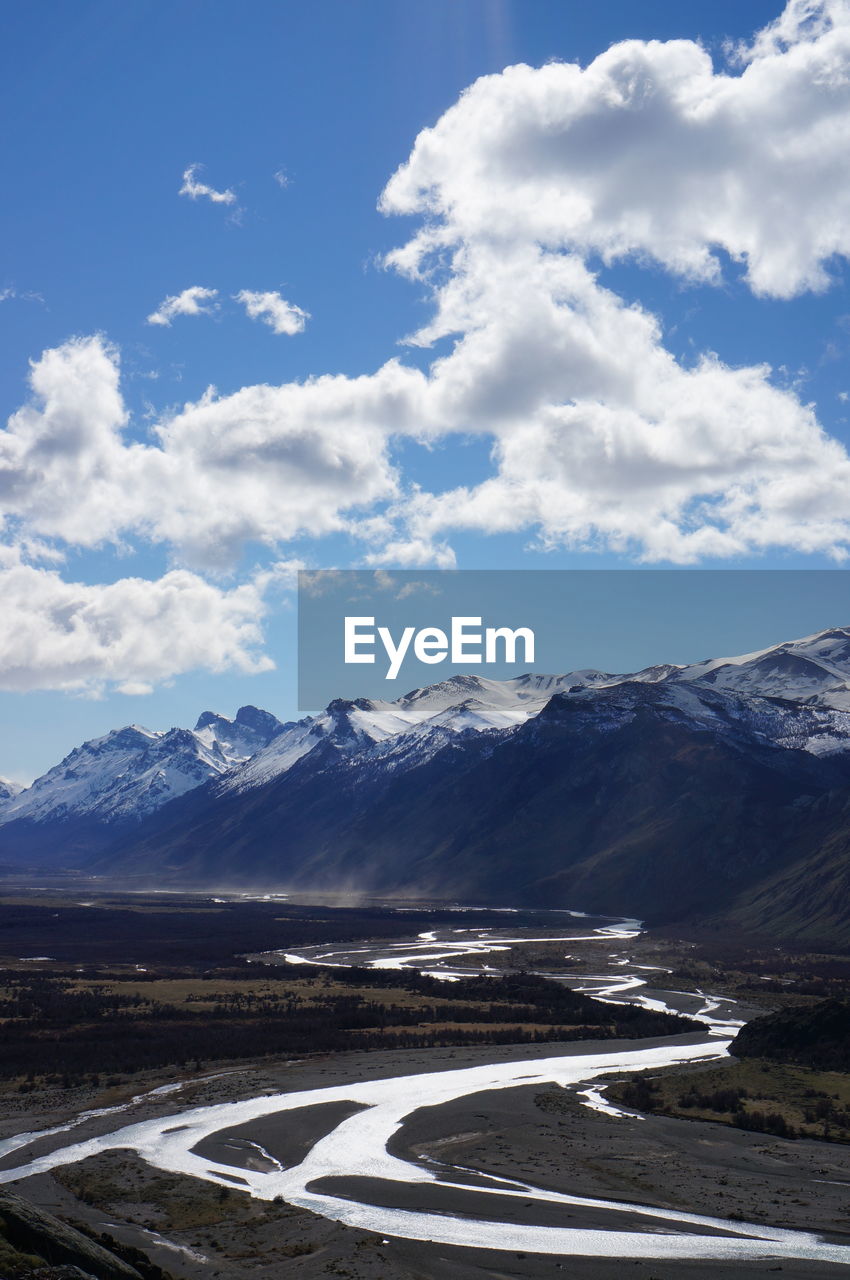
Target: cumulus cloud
pixel 129 634
pixel 61 455
pixel 262 465
pixel 598 435
pixel 601 438
pixel 412 552
pixel 281 316
pixel 800 21
pixel 269 463
pixel 649 150
pixel 194 301
pixel 197 190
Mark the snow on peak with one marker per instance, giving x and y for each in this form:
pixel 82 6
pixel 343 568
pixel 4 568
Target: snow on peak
pixel 456 705
pixel 815 669
pixel 130 772
pixel 8 790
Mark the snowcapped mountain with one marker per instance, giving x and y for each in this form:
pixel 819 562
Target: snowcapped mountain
pixel 455 705
pixel 814 670
pixel 8 790
pixel 130 772
pixel 237 739
pixel 664 794
pixel 796 694
pixel 674 784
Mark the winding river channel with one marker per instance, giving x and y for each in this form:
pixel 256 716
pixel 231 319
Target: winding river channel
pixel 350 1175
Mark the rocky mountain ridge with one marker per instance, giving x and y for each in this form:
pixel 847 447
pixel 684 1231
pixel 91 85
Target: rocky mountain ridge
pixel 673 791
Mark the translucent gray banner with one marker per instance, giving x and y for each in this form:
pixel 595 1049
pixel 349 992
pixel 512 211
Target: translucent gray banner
pixel 380 633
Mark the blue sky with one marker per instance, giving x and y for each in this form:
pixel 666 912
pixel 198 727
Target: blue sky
pixel 151 535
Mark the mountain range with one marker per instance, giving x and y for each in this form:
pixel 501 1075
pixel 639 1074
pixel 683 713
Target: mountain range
pixel 716 791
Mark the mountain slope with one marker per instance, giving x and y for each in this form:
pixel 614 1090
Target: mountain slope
pixel 460 703
pixel 805 899
pixel 814 669
pixel 814 1036
pixel 124 777
pixel 8 791
pixel 634 798
pixel 721 789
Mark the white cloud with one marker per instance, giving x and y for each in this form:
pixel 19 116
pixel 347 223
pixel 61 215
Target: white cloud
pixel 650 151
pixel 195 189
pixel 64 469
pixel 10 293
pixel 269 463
pixel 191 302
pixel 263 465
pixel 799 22
pixel 599 436
pixel 129 634
pixel 411 552
pixel 281 316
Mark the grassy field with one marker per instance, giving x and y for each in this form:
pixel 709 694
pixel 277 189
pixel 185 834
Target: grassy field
pixel 63 1024
pixel 754 1094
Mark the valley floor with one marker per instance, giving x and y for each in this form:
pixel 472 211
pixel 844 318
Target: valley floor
pixel 192 1229
pixel 183 962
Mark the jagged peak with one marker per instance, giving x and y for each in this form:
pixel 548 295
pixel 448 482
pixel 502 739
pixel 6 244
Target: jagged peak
pixel 208 718
pixel 257 719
